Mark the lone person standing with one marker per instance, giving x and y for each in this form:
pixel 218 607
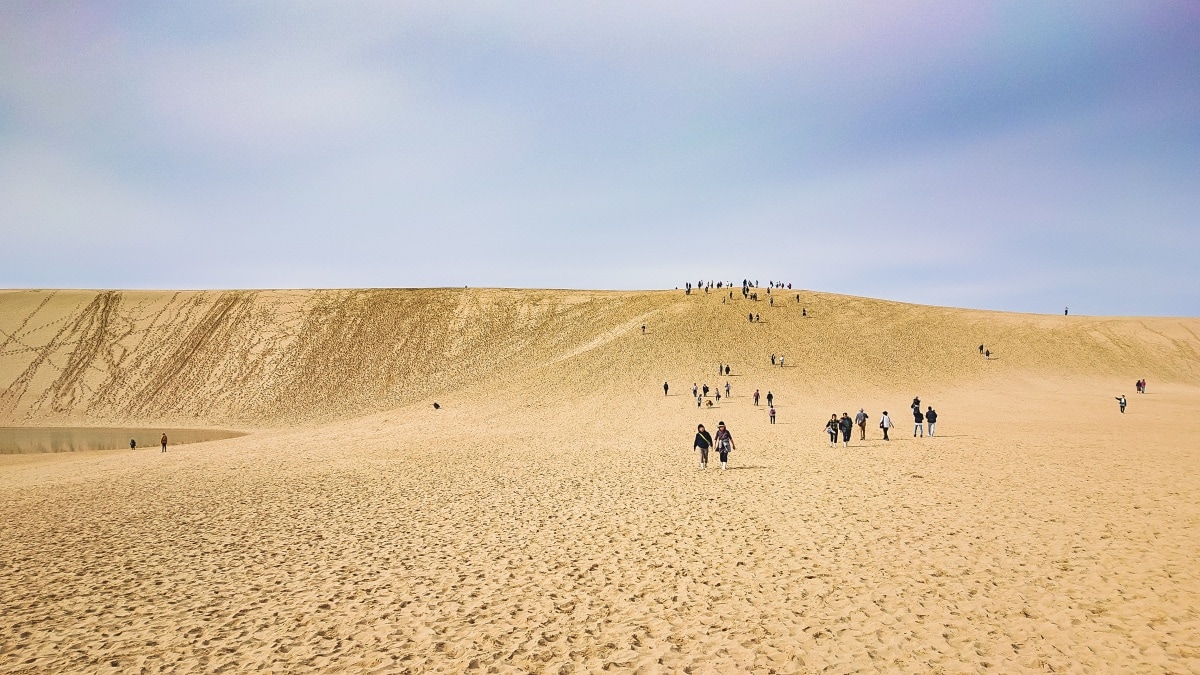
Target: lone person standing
pixel 772 413
pixel 770 398
pixel 931 418
pixel 755 397
pixel 1121 402
pixel 163 440
pixel 665 388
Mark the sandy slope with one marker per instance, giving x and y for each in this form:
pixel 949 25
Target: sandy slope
pixel 550 517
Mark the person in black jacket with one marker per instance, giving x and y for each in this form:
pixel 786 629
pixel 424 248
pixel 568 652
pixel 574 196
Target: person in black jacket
pixel 931 417
pixel 918 422
pixel 702 443
pixel 831 427
pixel 846 425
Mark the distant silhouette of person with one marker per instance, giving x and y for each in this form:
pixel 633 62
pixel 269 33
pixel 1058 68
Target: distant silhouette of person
pixel 861 420
pixel 727 387
pixel 987 354
pixel 702 443
pixel 1121 402
pixel 981 350
pixel 845 425
pixel 717 395
pixel 726 369
pixel 666 387
pixel 772 414
pixel 704 389
pixel 1066 311
pixel 132 444
pixel 757 318
pixel 918 422
pixel 781 360
pixel 804 312
pixel 695 391
pixel 885 423
pixel 163 440
pixel 916 404
pixel 770 398
pixel 699 401
pixel 931 419
pixel 755 397
pixel 751 317
pixel 772 359
pixel 643 329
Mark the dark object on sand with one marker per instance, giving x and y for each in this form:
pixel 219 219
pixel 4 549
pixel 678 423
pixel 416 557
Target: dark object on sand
pixel 436 406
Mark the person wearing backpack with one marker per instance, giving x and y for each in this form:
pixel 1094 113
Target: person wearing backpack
pixel 861 420
pixel 918 422
pixel 931 418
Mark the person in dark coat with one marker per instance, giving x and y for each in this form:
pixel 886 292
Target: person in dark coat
pixel 846 425
pixel 702 443
pixel 918 422
pixel 931 418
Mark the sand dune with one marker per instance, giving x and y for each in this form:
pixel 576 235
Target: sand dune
pixel 550 516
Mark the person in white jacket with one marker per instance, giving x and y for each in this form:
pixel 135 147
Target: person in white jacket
pixel 885 423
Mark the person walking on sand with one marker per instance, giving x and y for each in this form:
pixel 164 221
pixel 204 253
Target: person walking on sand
pixel 704 388
pixel 726 369
pixel 861 420
pixel 718 395
pixel 132 444
pixel 846 425
pixel 772 413
pixel 918 422
pixel 885 423
pixel 163 440
pixel 772 359
pixel 770 398
pixel 931 418
pixel 726 388
pixel 699 401
pixel 725 444
pixel 1121 402
pixel 781 360
pixel 666 388
pixel 981 350
pixel 755 397
pixel 987 354
pixel 643 329
pixel 702 443
pixel 831 428
pixel 695 390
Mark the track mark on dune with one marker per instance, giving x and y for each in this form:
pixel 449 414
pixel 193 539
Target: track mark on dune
pixel 607 336
pixel 14 335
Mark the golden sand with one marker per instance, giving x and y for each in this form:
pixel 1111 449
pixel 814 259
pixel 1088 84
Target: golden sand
pixel 550 517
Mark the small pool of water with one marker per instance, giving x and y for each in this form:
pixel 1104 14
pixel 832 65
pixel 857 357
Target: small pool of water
pixel 21 440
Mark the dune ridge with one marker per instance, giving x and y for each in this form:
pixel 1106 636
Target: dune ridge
pixel 550 516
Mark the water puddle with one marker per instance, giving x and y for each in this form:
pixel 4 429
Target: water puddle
pixel 23 440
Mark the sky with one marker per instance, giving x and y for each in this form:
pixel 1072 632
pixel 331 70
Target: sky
pixel 1021 156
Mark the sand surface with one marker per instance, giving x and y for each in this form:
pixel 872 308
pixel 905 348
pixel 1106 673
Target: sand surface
pixel 550 517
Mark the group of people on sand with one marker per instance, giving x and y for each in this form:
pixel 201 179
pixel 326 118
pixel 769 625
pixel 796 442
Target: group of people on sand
pixel 1140 385
pixel 844 425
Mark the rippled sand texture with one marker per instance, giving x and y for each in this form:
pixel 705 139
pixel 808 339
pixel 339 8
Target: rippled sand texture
pixel 550 517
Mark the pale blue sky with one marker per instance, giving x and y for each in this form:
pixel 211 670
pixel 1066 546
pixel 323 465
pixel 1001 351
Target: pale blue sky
pixel 1005 155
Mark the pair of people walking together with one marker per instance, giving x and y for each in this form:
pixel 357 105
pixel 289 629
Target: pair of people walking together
pixel 723 442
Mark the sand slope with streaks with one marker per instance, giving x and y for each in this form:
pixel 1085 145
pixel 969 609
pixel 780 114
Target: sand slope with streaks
pixel 550 516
